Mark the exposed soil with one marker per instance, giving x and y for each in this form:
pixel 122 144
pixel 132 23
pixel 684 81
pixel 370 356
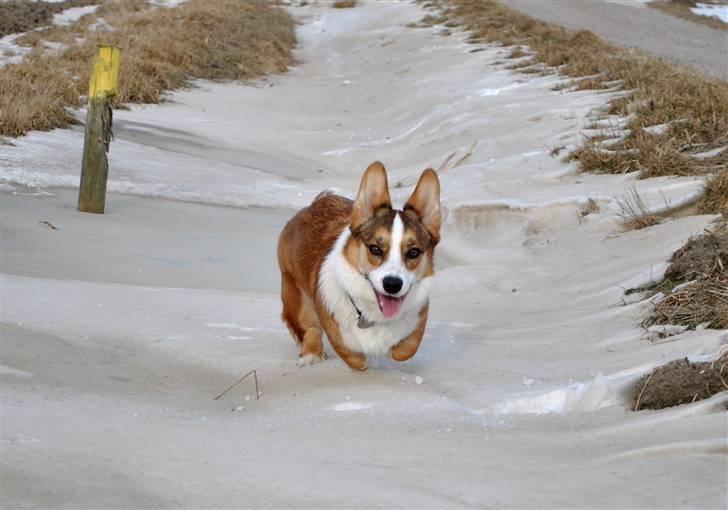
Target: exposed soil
pixel 698 256
pixel 680 382
pixel 22 15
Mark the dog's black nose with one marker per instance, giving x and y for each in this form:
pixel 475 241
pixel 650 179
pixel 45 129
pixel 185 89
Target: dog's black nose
pixel 392 284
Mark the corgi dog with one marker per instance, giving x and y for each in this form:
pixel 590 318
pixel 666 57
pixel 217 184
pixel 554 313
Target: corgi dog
pixel 360 271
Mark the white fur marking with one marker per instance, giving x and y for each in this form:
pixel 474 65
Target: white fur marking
pixel 394 266
pixel 338 280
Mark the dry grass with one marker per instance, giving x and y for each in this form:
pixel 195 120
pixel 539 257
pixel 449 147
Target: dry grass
pixel 703 262
pixel 704 302
pixel 591 206
pixel 715 197
pixel 681 9
pixel 21 16
pixel 162 49
pixel 693 108
pixel 634 212
pixel 344 4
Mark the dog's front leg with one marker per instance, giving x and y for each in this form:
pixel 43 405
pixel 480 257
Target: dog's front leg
pixel 355 360
pixel 407 347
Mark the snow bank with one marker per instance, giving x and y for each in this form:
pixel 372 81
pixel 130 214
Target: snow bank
pixel 719 11
pixel 70 16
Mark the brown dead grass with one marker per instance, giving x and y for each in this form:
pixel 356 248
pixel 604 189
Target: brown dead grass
pixel 681 9
pixel 703 261
pixel 715 197
pixel 22 15
pixel 162 49
pixel 693 107
pixel 344 4
pixel 591 206
pixel 634 212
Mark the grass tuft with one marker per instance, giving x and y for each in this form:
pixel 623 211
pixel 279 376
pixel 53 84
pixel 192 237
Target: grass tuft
pixel 715 197
pixel 591 206
pixel 634 212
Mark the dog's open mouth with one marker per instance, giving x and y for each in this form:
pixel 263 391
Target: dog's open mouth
pixel 389 305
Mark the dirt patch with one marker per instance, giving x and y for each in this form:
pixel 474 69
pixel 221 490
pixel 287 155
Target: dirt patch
pixel 674 114
pixel 23 15
pixel 162 49
pixel 681 9
pixel 698 256
pixel 344 4
pixel 680 382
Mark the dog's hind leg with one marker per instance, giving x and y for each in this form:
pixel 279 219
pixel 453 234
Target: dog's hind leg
pixel 300 317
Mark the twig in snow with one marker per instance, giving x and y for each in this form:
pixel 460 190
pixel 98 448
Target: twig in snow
pixel 255 377
pixel 48 224
pixel 639 397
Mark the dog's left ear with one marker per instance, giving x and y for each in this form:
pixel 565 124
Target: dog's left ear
pixel 425 201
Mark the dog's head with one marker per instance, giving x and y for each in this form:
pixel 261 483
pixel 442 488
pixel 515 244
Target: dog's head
pixel 394 249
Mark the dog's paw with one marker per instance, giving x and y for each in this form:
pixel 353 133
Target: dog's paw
pixel 310 359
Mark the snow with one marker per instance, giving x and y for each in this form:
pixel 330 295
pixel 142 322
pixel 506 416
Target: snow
pixel 167 3
pixel 719 11
pixel 11 53
pixel 70 16
pixel 631 3
pixel 130 323
pixel 350 406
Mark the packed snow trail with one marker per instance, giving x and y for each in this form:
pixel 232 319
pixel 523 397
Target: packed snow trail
pixel 119 330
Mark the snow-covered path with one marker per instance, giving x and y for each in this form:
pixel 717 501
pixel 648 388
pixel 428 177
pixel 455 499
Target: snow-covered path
pixel 118 330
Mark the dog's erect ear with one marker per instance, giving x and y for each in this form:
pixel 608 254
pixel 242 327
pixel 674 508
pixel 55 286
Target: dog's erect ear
pixel 425 201
pixel 373 195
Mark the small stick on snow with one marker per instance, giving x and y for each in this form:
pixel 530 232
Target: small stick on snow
pixel 48 224
pixel 639 397
pixel 255 377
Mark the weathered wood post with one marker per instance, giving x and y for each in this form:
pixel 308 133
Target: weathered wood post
pixel 95 167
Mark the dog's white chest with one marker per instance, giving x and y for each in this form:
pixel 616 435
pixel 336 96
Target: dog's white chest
pixel 380 337
pixel 341 285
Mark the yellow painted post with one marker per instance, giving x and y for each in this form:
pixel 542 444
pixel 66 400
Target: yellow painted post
pixel 102 87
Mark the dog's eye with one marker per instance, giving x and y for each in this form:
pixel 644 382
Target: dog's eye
pixel 375 250
pixel 413 253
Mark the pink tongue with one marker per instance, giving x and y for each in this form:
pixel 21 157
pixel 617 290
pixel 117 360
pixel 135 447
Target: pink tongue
pixel 390 305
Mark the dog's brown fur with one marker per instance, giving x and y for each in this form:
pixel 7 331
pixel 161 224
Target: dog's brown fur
pixel 310 235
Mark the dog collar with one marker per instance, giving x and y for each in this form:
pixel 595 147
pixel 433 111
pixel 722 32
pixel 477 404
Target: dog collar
pixel 362 322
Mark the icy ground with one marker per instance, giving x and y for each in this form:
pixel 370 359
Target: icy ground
pixel 119 330
pixel 720 11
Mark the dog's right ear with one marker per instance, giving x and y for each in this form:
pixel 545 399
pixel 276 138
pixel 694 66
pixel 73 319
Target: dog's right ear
pixel 373 195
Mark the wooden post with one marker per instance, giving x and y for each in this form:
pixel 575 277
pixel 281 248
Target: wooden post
pixel 95 167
